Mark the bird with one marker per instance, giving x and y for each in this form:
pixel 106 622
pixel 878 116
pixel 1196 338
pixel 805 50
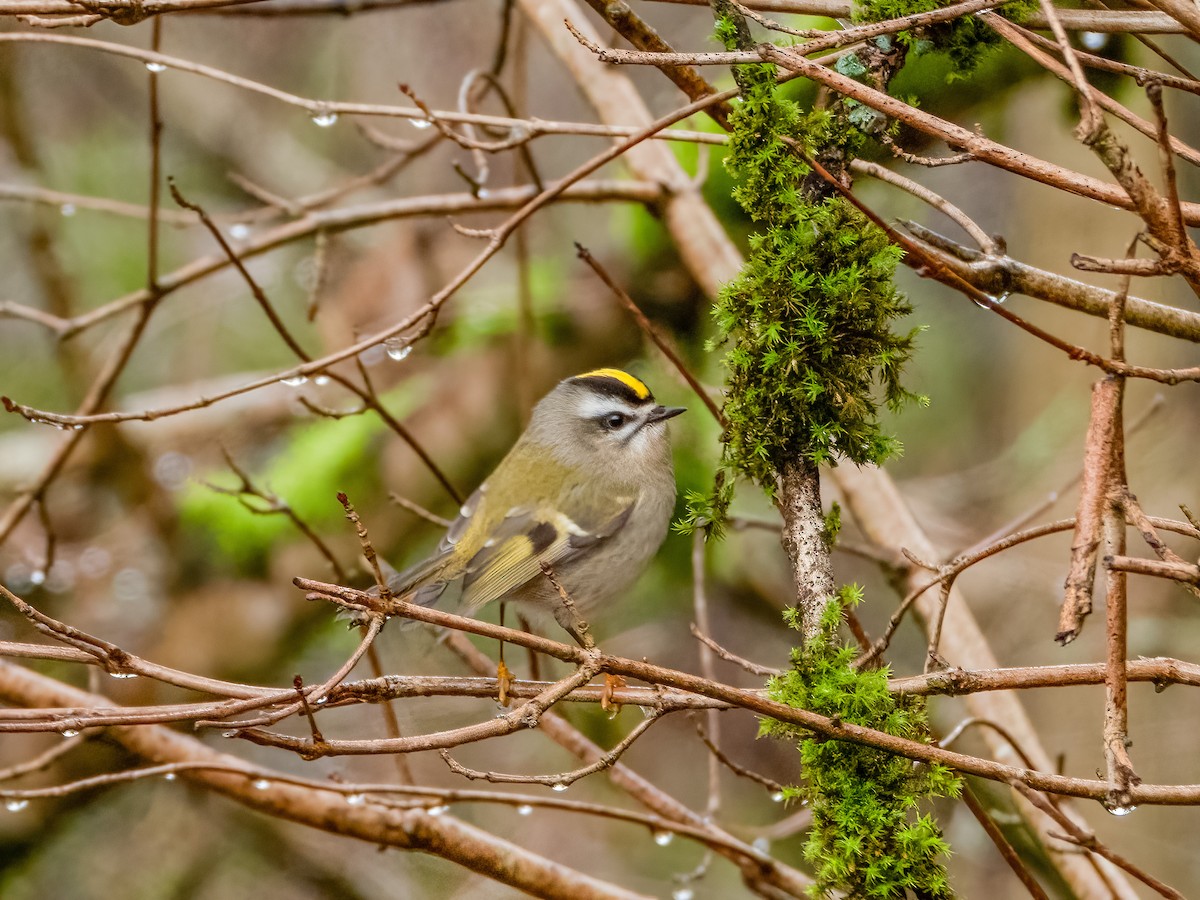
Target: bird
pixel 582 500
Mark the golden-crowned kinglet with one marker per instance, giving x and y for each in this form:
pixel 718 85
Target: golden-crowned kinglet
pixel 588 489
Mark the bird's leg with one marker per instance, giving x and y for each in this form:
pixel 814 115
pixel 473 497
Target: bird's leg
pixel 504 677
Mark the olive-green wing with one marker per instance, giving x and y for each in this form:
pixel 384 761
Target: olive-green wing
pixel 526 540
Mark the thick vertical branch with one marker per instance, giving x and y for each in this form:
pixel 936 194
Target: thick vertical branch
pixel 805 542
pixel 1116 708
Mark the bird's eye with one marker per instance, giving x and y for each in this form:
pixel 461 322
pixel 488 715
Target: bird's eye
pixel 613 421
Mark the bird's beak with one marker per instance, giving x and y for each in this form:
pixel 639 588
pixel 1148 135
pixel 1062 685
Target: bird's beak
pixel 662 413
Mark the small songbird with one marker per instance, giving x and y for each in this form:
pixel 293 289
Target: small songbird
pixel 586 491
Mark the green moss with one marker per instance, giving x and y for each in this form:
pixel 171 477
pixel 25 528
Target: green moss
pixel 965 39
pixel 868 839
pixel 808 323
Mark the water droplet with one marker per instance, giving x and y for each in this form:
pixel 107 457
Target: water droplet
pixel 15 805
pixel 482 194
pixel 321 380
pixel 997 299
pixel 37 576
pixel 762 845
pixel 1093 40
pixel 1120 810
pixel 321 701
pixel 69 732
pixel 356 799
pixel 122 675
pixel 261 784
pixel 397 349
pixel 420 124
pixel 324 118
pixel 77 427
pixel 559 788
pixel 229 734
pixel 437 810
pixel 239 231
pixel 294 380
pixel 170 776
pixel 67 209
pixel 682 893
pixel 524 810
pixel 777 796
pixel 155 67
pixel 662 838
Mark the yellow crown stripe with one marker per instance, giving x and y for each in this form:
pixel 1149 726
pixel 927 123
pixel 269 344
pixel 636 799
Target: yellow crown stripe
pixel 624 377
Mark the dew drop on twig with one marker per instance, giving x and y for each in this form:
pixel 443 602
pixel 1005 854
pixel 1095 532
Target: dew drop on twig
pixel 524 810
pixel 397 349
pixel 558 788
pixel 663 838
pixel 324 118
pixel 155 67
pixel 15 805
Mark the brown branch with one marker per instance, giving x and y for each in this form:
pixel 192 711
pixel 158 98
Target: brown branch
pixel 1003 275
pixel 1160 671
pixel 1010 856
pixel 761 873
pixel 1084 837
pixel 562 780
pixel 1187 573
pixel 748 700
pixel 1098 463
pixel 729 656
pixel 410 829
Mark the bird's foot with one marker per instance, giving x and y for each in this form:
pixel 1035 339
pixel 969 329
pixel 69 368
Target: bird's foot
pixel 611 684
pixel 504 680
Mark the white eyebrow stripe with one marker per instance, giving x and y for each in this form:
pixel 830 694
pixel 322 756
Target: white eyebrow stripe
pixel 592 406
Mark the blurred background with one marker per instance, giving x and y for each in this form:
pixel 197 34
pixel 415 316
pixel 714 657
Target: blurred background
pixel 150 557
